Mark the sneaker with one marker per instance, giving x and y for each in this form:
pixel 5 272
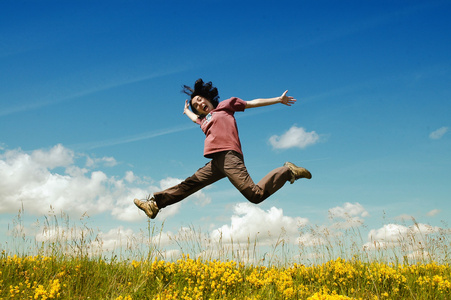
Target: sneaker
pixel 297 172
pixel 149 206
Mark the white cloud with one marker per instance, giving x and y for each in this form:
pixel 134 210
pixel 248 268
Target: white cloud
pixel 392 235
pixel 348 210
pixel 169 182
pixel 28 179
pixel 311 239
pixel 92 242
pixel 439 133
pixel 32 180
pixel 433 212
pixel 404 217
pixel 58 233
pixel 105 161
pixel 129 240
pixel 58 156
pixel 251 222
pixel 130 177
pixel 389 233
pixel 295 137
pixel 352 214
pixel 115 238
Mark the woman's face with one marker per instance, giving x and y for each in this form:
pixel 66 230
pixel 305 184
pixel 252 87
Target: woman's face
pixel 202 105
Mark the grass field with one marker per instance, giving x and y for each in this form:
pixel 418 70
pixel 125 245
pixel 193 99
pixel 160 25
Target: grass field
pixel 65 267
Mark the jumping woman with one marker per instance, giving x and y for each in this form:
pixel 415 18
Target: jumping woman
pixel 223 147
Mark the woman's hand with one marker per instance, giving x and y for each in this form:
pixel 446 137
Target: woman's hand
pixel 287 100
pixel 186 107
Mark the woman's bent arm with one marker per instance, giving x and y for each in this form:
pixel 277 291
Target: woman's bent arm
pixel 189 113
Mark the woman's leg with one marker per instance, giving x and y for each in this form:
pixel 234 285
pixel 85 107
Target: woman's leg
pixel 236 171
pixel 203 177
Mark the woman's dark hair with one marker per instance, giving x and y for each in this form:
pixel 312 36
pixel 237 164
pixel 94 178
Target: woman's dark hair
pixel 203 89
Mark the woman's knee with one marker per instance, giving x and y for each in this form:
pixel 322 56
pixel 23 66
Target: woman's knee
pixel 255 198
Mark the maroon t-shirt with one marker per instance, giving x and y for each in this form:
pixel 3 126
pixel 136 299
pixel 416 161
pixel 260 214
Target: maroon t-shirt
pixel 220 127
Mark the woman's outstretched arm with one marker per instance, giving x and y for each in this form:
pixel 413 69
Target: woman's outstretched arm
pixel 284 99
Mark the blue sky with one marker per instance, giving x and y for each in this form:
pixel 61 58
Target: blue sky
pixel 91 110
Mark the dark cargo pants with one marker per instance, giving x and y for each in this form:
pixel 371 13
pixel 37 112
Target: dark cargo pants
pixel 228 164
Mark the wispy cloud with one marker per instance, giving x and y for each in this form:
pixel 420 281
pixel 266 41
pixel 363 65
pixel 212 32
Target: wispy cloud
pixel 132 138
pixel 369 23
pixel 439 133
pixel 77 91
pixel 433 212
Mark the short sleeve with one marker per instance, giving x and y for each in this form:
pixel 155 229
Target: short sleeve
pixel 234 104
